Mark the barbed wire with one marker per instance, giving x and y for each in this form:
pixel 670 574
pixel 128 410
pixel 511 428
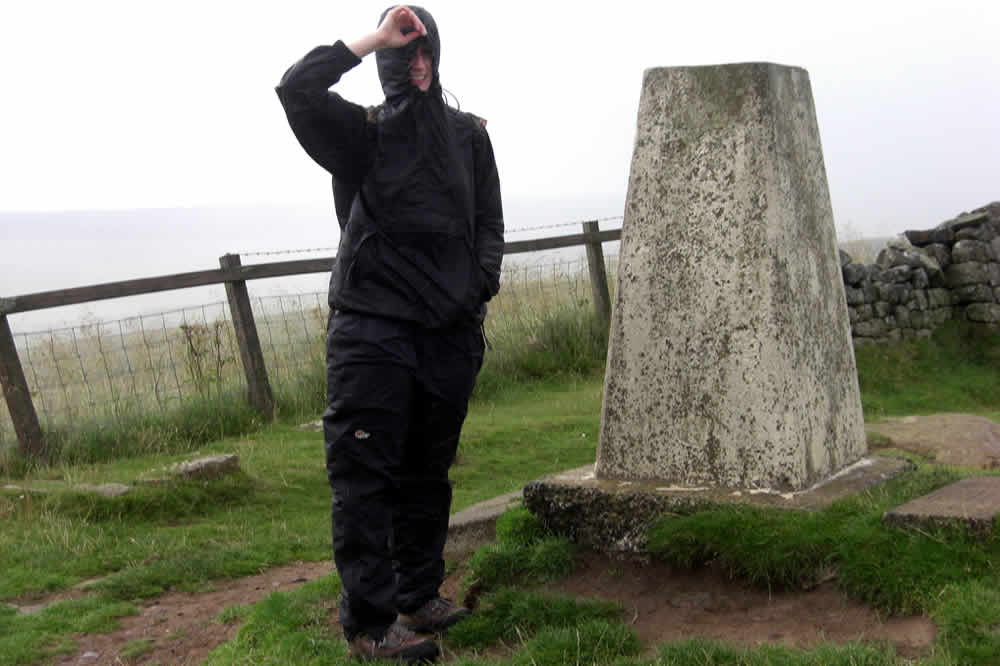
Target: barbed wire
pixel 271 253
pixel 541 227
pixel 559 225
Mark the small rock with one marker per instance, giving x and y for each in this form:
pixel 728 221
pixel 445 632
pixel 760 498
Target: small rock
pixel 105 489
pixel 207 467
pixel 312 426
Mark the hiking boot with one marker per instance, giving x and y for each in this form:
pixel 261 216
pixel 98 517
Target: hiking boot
pixel 434 617
pixel 399 645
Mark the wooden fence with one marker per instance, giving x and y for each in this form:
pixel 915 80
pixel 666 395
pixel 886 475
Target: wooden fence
pixel 234 275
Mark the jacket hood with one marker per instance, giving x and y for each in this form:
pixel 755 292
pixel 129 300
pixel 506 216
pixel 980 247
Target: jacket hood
pixel 394 64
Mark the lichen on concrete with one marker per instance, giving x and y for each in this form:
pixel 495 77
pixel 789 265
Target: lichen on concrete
pixel 730 360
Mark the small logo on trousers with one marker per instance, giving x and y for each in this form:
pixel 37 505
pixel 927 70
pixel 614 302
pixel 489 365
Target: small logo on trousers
pixel 362 434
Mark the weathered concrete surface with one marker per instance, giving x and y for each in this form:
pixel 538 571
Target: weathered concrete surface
pixel 611 515
pixel 973 503
pixel 475 526
pixel 964 440
pixel 730 361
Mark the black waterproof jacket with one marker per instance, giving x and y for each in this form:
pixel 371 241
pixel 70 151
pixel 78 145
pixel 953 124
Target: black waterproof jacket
pixel 420 211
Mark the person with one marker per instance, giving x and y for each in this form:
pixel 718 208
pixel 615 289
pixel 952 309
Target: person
pixel 418 199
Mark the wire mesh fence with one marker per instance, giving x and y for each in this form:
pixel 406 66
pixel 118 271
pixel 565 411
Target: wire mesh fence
pixel 100 371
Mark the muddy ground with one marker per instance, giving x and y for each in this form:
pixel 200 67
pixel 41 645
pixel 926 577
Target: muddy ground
pixel 660 602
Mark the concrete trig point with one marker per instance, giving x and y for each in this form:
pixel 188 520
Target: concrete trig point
pixel 730 362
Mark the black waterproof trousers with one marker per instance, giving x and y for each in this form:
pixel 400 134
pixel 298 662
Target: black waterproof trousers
pixel 397 396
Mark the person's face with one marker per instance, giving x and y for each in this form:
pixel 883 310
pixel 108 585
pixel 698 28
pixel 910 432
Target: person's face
pixel 421 70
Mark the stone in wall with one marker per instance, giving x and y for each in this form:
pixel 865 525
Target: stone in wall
pixel 855 274
pixel 938 298
pixel 965 251
pixel 898 274
pixel 940 316
pixel 977 234
pixel 966 273
pixel 984 313
pixel 940 253
pixel 973 293
pixel 993 271
pixel 931 236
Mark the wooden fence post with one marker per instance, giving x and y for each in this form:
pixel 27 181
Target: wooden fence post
pixel 251 355
pixel 15 391
pixel 598 275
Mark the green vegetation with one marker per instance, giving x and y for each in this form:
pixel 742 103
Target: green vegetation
pixel 527 419
pixel 537 331
pixel 896 571
pixel 23 637
pixel 957 369
pixel 183 535
pixel 713 653
pixel 291 628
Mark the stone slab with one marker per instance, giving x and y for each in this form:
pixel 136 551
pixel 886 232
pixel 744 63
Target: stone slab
pixel 476 525
pixel 963 440
pixel 612 515
pixel 973 503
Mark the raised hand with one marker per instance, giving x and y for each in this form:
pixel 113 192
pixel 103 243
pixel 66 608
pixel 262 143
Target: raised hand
pixel 399 27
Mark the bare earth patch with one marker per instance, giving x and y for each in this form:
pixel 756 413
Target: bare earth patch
pixel 665 604
pixel 182 627
pixel 662 604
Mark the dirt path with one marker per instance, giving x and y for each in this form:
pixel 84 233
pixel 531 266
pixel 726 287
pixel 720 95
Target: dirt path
pixel 660 602
pixel 182 627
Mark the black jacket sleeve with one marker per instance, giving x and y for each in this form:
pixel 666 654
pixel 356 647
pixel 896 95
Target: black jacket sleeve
pixel 333 131
pixel 489 214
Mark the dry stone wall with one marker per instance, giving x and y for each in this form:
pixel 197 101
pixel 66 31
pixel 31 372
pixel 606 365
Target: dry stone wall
pixel 924 278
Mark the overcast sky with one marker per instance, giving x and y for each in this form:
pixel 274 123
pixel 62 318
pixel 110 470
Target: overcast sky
pixel 113 104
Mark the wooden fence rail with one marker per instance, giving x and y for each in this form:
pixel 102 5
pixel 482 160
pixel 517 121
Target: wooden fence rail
pixel 234 276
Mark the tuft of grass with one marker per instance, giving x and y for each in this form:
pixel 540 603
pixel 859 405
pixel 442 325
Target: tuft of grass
pixel 292 628
pixel 135 649
pixel 524 552
pixel 592 642
pixel 968 617
pixel 902 571
pixel 511 614
pixel 519 527
pixel 503 564
pixel 168 501
pixel 561 341
pixel 132 433
pixel 231 614
pixel 701 652
pixel 773 548
pixel 30 638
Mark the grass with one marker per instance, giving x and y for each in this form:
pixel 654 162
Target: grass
pixel 899 572
pixel 183 535
pixel 957 370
